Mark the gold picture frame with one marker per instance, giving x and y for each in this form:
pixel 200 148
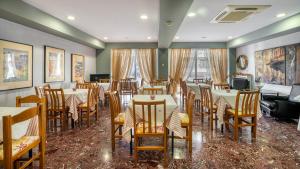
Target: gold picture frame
pixel 54 64
pixel 78 67
pixel 16 65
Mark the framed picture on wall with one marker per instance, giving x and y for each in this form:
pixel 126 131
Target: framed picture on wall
pixel 54 64
pixel 78 68
pixel 15 65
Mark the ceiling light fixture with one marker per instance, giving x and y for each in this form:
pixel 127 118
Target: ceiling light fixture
pixel 191 14
pixel 229 37
pixel 144 17
pixel 280 15
pixel 149 37
pixel 105 38
pixel 203 37
pixel 72 18
pixel 176 37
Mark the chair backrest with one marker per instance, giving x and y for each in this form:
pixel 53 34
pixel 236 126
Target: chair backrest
pixel 55 99
pixel 29 99
pixel 209 82
pixel 153 91
pixel 114 85
pixel 93 96
pixel 246 103
pixel 104 81
pixel 184 88
pixel 190 107
pixel 142 82
pixel 125 85
pixel 9 121
pixel 168 88
pixel 39 90
pixel 158 82
pixel 221 86
pixel 115 104
pixel 206 98
pixel 199 80
pixel 83 85
pixel 148 109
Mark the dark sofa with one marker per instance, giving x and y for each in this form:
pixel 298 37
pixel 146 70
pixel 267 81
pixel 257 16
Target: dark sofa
pixel 282 107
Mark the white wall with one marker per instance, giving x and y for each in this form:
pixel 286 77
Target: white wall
pixel 249 50
pixel 19 33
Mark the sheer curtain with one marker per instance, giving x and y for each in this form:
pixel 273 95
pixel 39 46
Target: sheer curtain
pixel 180 59
pixel 218 65
pixel 146 59
pixel 121 63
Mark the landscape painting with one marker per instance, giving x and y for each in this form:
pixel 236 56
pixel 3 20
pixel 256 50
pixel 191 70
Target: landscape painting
pixel 15 65
pixel 78 68
pixel 54 64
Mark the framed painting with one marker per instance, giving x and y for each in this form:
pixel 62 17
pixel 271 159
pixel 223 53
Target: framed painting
pixel 78 68
pixel 15 65
pixel 259 66
pixel 54 64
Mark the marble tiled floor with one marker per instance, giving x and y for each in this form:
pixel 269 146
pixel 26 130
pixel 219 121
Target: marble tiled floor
pixel 277 146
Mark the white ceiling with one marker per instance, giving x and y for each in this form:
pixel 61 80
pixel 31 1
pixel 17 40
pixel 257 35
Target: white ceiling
pixel 193 29
pixel 119 20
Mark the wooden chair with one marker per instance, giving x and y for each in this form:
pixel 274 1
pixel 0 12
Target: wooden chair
pixel 11 151
pixel 153 91
pixel 83 85
pixel 126 89
pixel 199 80
pixel 117 117
pixel 184 92
pixel 168 88
pixel 157 83
pixel 114 86
pixel 56 108
pixel 187 121
pixel 39 90
pixel 90 108
pixel 221 86
pixel 142 82
pixel 145 127
pixel 104 81
pixel 209 82
pixel 245 108
pixel 207 105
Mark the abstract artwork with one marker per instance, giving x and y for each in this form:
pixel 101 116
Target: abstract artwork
pixel 278 65
pixel 54 64
pixel 15 65
pixel 77 68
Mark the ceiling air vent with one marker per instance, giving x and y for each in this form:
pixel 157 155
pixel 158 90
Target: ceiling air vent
pixel 237 13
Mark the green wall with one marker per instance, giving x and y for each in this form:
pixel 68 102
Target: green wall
pixel 162 63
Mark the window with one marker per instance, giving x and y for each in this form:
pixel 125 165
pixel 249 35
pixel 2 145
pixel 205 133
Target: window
pixel 200 68
pixel 135 69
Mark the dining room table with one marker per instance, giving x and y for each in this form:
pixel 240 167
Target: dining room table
pixel 73 98
pixel 28 127
pixel 195 88
pixel 173 117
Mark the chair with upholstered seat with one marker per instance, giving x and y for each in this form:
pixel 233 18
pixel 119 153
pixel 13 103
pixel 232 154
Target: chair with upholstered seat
pixel 90 108
pixel 187 120
pixel 13 150
pixel 147 125
pixel 56 108
pixel 207 105
pixel 117 117
pixel 245 108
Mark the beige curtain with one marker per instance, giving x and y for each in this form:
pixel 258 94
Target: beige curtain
pixel 121 63
pixel 146 59
pixel 218 65
pixel 179 61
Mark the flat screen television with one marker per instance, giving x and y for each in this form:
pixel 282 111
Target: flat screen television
pixel 97 77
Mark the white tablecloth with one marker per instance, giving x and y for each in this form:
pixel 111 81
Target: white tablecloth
pixel 103 88
pixel 20 129
pixel 195 88
pixel 74 98
pixel 222 99
pixel 173 118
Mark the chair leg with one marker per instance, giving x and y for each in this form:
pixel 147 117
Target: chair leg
pixel 131 137
pixel 211 120
pixel 42 156
pixel 165 145
pixel 190 136
pixel 172 143
pixel 236 129
pixel 88 118
pixel 253 130
pixel 113 137
pixel 135 148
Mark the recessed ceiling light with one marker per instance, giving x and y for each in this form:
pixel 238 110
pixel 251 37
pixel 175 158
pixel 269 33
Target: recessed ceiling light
pixel 229 37
pixel 105 38
pixel 280 15
pixel 72 18
pixel 144 17
pixel 149 37
pixel 191 14
pixel 176 37
pixel 203 37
